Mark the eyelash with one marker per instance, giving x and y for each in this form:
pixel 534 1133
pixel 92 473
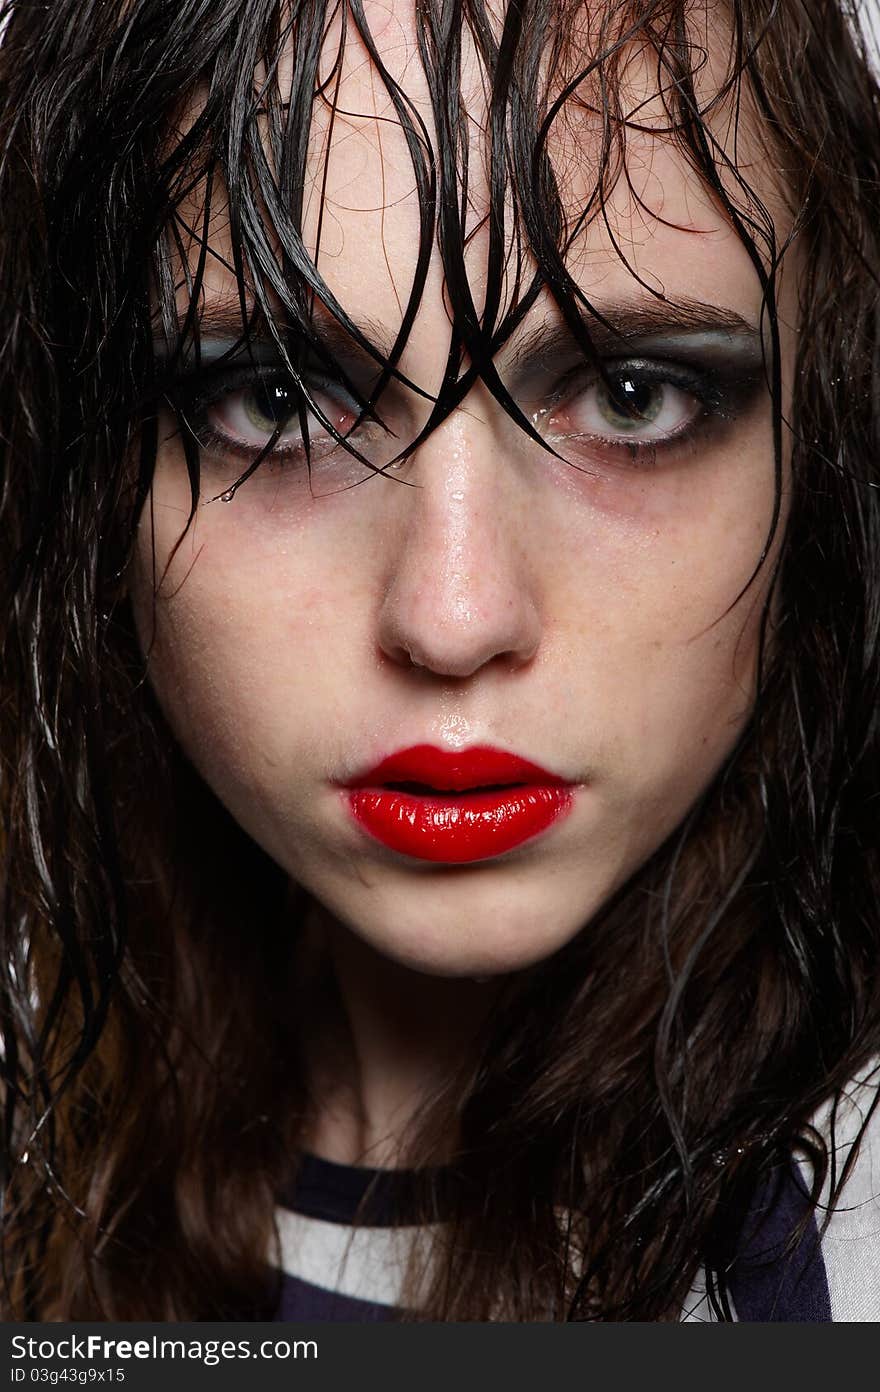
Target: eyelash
pixel 193 398
pixel 719 398
pixel 719 395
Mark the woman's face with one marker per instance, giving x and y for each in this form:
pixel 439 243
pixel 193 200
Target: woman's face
pixel 582 613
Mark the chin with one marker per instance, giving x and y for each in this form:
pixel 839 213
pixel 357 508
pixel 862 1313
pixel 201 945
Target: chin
pixel 483 942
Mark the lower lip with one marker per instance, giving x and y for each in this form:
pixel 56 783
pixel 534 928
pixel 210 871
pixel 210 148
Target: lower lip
pixel 458 829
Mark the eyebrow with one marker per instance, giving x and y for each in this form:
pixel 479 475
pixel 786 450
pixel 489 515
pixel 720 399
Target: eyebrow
pixel 620 324
pixel 222 318
pixel 614 326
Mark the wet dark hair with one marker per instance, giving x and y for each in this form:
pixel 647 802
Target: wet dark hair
pixel 151 1112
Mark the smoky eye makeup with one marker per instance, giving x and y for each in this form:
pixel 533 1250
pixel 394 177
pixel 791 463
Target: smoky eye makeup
pixel 652 399
pixel 665 396
pixel 242 401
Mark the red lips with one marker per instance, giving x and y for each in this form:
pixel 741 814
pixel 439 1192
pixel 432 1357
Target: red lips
pixel 457 806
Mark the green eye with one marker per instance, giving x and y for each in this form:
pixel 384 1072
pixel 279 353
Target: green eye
pixel 633 405
pixel 270 405
pixel 637 404
pixel 269 417
pixel 249 415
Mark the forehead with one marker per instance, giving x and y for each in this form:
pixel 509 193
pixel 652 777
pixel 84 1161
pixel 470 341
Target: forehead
pixel 636 214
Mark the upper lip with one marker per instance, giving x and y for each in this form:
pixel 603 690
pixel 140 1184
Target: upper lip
pixel 455 770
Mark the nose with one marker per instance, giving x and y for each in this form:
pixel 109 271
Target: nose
pixel 460 592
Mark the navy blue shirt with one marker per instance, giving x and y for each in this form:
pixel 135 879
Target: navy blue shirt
pixel 347 1233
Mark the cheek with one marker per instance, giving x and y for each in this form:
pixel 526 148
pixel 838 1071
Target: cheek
pixel 248 645
pixel 664 643
pixel 665 712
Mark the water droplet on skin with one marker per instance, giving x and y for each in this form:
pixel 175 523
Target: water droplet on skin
pixel 228 496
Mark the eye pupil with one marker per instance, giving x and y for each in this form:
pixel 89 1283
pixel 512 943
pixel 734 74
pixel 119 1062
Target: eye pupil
pixel 631 403
pixel 269 405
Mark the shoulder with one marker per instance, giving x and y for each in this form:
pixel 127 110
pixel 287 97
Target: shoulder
pixel 832 1271
pixel 849 1223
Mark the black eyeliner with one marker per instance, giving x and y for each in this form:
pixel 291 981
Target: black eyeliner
pixel 724 384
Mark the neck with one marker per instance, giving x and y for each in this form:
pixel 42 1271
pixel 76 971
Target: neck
pixel 383 1042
